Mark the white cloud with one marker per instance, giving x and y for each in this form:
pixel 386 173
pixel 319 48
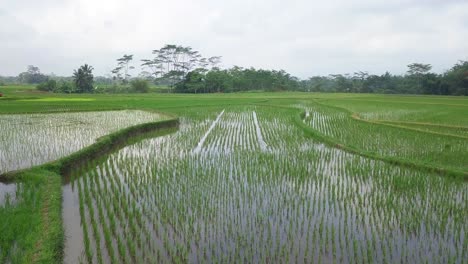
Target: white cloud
pixel 303 37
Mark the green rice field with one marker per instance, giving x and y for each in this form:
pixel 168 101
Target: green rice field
pixel 239 178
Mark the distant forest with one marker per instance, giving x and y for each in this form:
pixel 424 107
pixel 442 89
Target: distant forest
pixel 184 70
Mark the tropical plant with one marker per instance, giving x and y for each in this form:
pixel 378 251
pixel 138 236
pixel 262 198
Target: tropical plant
pixel 84 79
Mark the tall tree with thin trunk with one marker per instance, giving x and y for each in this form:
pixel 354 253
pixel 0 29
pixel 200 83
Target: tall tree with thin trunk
pixel 121 72
pixel 172 63
pixel 418 71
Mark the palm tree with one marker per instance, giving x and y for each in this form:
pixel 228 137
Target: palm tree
pixel 83 78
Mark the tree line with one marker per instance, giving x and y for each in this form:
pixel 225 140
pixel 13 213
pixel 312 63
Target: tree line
pixel 417 80
pixel 184 70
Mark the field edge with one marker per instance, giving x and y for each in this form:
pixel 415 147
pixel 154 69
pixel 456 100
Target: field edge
pixel 47 237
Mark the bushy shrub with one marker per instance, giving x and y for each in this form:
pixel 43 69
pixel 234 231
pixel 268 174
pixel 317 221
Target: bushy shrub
pixel 48 86
pixel 112 89
pixel 139 86
pixel 65 87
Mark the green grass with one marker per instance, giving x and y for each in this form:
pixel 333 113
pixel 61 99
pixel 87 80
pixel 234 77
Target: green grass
pixel 31 230
pixel 425 109
pixel 417 147
pixel 55 99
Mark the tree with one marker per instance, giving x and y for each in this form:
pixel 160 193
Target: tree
pixel 456 79
pixel 172 63
pixel 417 71
pixel 84 79
pixel 342 82
pixel 359 81
pixel 140 85
pixel 214 61
pixel 49 86
pixel 216 81
pixel 418 68
pixel 123 67
pixel 32 75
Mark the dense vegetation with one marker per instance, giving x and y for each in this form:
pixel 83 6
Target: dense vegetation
pixel 184 70
pixel 237 79
pixel 418 80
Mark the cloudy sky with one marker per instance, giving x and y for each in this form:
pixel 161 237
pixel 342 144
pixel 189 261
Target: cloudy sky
pixel 303 37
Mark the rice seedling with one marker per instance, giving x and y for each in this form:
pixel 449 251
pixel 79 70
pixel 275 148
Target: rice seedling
pixel 243 183
pixel 438 150
pixel 32 139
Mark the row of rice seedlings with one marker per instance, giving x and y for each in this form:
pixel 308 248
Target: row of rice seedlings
pixel 32 139
pixel 388 141
pixel 128 206
pixel 455 130
pixel 86 239
pixel 291 204
pixel 235 131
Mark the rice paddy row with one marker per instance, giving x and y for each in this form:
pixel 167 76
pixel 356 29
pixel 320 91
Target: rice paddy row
pixel 238 184
pixel 434 149
pixel 30 202
pixel 33 139
pixel 287 199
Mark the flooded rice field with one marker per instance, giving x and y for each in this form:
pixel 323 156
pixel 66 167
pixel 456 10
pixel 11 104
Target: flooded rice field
pixel 440 146
pixel 243 184
pixel 27 140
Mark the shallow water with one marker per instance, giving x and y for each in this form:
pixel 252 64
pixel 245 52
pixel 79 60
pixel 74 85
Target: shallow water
pixel 7 193
pixel 32 139
pixel 72 225
pixel 300 202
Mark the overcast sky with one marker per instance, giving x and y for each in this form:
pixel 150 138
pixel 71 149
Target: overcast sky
pixel 303 37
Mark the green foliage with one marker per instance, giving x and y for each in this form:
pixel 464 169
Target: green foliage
pixel 31 230
pixel 114 89
pixel 237 79
pixel 121 72
pixel 65 87
pixel 140 85
pixel 456 79
pixel 418 68
pixel 418 81
pixel 56 87
pixel 32 76
pixel 84 79
pixel 48 86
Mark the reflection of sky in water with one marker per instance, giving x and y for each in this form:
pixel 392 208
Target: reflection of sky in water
pixel 7 192
pixel 32 139
pixel 300 201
